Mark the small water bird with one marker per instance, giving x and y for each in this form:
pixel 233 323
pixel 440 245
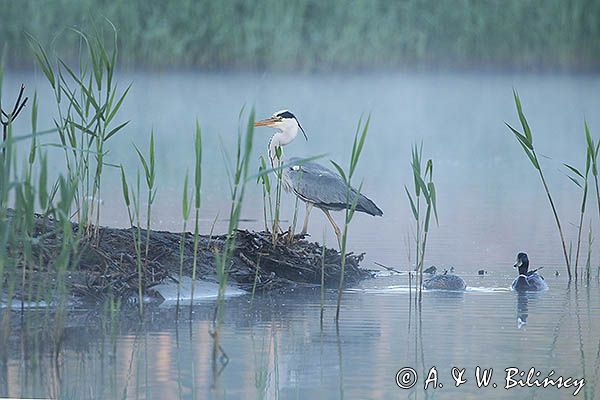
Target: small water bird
pixel 527 280
pixel 445 281
pixel 315 185
pixel 431 270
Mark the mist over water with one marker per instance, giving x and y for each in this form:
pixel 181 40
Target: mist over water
pixel 491 205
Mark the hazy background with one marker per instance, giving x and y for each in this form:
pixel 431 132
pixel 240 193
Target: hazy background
pixel 321 35
pixel 441 72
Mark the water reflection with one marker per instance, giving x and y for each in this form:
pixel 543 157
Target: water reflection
pixel 277 346
pixel 525 299
pixel 522 308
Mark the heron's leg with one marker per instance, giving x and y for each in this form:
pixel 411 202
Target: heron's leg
pixel 309 207
pixel 338 233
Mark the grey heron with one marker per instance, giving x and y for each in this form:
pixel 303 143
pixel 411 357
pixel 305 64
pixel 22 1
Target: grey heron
pixel 314 184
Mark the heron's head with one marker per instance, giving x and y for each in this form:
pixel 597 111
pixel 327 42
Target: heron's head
pixel 284 121
pixel 522 263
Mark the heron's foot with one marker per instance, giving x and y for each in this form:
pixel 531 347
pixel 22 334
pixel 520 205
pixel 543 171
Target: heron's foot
pixel 339 239
pixel 277 229
pixel 309 207
pixel 338 234
pixel 290 235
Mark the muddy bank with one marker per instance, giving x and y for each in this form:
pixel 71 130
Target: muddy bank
pixel 106 265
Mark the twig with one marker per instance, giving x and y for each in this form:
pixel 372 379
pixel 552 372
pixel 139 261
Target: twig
pixel 9 118
pixel 388 268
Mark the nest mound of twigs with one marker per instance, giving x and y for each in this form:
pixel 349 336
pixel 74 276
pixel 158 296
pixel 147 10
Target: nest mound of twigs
pixel 106 264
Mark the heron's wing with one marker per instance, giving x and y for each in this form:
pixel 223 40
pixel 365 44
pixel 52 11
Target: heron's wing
pixel 317 184
pixel 325 188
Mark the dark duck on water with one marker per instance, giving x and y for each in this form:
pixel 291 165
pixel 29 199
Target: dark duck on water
pixel 527 280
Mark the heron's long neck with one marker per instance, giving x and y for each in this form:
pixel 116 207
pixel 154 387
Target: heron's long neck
pixel 280 139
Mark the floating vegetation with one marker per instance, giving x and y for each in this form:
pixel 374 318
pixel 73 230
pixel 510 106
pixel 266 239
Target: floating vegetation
pixel 109 267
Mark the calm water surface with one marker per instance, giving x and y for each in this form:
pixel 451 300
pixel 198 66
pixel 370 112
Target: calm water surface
pixel 491 206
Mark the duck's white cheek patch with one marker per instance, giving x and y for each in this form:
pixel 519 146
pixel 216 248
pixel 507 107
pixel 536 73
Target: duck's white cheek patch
pixel 295 168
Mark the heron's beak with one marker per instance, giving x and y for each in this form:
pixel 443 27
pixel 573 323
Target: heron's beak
pixel 267 122
pixel 518 264
pixel 304 133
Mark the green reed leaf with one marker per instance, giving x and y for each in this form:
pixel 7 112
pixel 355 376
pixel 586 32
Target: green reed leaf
pixel 124 187
pixel 197 164
pixel 575 181
pixel 592 149
pixel 116 130
pixel 340 171
pixel 522 118
pixel 43 182
pixel 42 59
pixel 432 191
pixel 144 165
pixel 574 170
pixel 520 137
pixel 185 199
pixel 412 204
pixel 421 184
pixel 117 106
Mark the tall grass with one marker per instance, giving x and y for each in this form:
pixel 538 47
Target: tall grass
pixel 150 175
pixel 19 187
pixel 265 182
pixel 9 116
pixel 26 193
pixel 23 191
pixel 278 189
pixel 310 35
pixel 238 180
pixel 88 101
pixel 292 228
pixel 425 188
pixel 134 224
pixel 592 149
pixel 588 261
pixel 197 202
pixel 525 139
pixel 134 197
pixel 137 238
pixel 581 180
pixel 351 201
pixel 185 210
